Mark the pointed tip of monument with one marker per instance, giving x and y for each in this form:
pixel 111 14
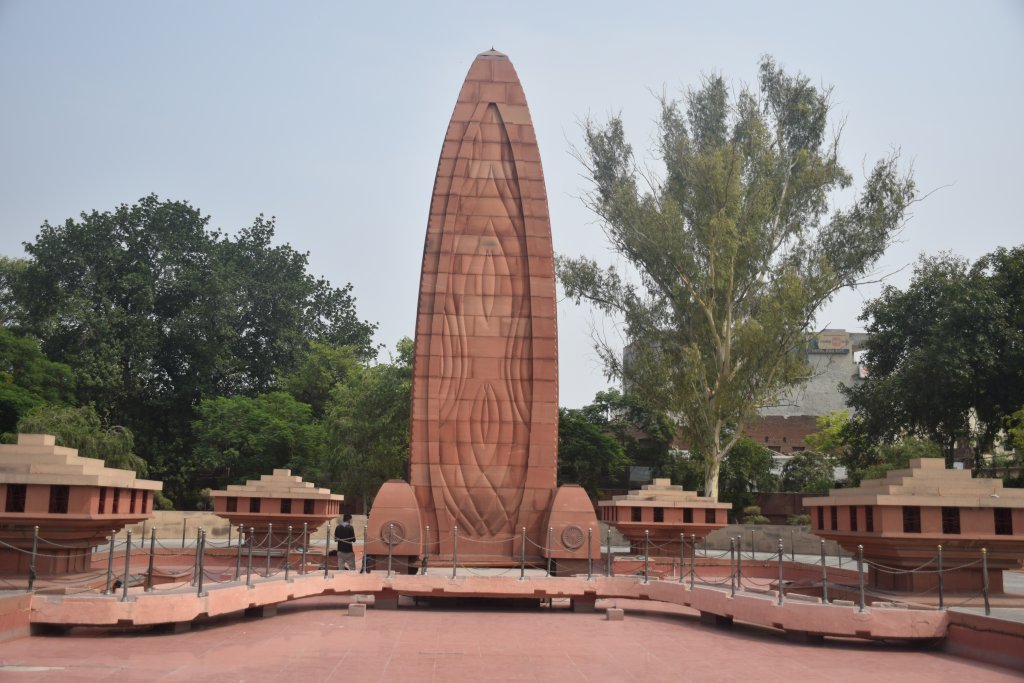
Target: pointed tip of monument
pixel 492 54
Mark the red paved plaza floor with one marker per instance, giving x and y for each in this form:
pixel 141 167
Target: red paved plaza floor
pixel 315 640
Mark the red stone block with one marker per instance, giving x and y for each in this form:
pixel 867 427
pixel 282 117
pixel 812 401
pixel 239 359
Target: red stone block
pixel 503 71
pixel 492 92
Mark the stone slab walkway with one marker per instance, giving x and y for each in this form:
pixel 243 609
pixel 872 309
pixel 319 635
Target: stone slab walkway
pixel 315 640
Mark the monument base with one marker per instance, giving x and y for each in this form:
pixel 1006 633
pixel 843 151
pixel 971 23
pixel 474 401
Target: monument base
pixel 394 528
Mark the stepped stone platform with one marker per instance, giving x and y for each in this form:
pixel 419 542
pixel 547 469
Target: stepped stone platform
pixel 906 519
pixel 63 504
pixel 658 514
pixel 273 503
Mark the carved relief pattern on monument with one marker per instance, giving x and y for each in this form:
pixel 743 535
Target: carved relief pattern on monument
pixel 484 433
pixel 485 377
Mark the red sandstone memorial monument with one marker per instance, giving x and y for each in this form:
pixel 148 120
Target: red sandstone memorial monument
pixel 483 458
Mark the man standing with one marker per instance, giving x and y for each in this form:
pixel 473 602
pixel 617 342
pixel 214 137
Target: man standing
pixel 345 535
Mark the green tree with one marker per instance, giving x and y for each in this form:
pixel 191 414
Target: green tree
pixel 645 435
pixel 320 369
pixel 734 251
pixel 945 357
pixel 28 379
pixel 587 455
pixel 367 424
pixel 808 472
pixel 684 470
pixel 81 428
pixel 1015 432
pixel 829 439
pixel 155 312
pixel 241 438
pixel 10 268
pixel 896 456
pixel 746 471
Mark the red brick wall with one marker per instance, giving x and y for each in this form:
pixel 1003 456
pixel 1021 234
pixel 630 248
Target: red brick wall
pixel 782 434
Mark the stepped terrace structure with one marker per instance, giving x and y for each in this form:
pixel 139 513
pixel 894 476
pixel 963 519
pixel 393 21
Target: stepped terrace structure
pixel 903 519
pixel 484 441
pixel 75 502
pixel 663 511
pixel 273 503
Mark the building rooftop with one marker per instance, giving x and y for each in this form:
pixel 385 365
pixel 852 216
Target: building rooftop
pixel 36 459
pixel 280 484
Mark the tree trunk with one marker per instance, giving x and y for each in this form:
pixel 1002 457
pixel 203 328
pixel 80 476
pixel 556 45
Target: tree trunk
pixel 712 467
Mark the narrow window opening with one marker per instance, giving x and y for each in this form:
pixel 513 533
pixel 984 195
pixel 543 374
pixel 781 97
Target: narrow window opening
pixel 911 519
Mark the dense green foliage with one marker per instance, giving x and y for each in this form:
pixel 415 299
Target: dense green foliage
pixel 842 439
pixel 746 471
pixel 734 250
pixel 752 515
pixel 82 428
pixel 28 379
pixel 587 454
pixel 156 315
pixel 945 357
pixel 808 472
pixel 240 438
pixel 367 427
pixel 897 456
pixel 599 442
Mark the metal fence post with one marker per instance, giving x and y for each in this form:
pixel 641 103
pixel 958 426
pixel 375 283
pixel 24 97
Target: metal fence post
pixel 682 555
pixel 195 555
pixel 366 536
pixel 238 554
pixel 860 575
pixel 152 553
pixel 288 553
pixel 184 524
pixel 327 549
pixel 984 579
pixel 270 542
pixel 305 542
pixel 110 562
pixel 792 545
pixel 248 566
pixel 230 529
pixel 127 565
pixel 426 551
pixel 942 596
pixel 32 560
pixel 647 550
pixel 550 531
pixel 693 558
pixel 522 555
pixel 202 547
pixel 739 566
pixel 391 540
pixel 751 544
pixel 455 550
pixel 732 565
pixel 824 575
pixel 782 585
pixel 590 554
pixel 608 563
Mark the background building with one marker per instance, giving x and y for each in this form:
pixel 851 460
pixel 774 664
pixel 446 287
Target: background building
pixel 833 357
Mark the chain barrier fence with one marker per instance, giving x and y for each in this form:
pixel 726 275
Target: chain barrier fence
pixel 692 562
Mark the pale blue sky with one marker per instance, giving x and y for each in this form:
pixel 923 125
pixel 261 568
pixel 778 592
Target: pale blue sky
pixel 331 116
